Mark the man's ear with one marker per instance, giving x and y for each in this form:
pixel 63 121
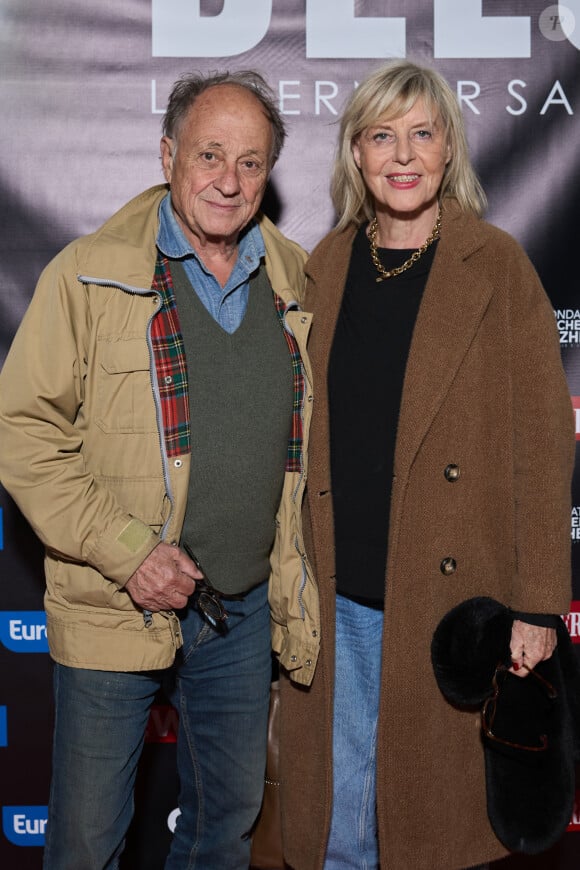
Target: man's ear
pixel 167 148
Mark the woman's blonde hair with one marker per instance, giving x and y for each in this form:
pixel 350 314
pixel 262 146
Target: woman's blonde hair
pixel 388 93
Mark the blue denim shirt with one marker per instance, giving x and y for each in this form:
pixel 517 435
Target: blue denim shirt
pixel 226 305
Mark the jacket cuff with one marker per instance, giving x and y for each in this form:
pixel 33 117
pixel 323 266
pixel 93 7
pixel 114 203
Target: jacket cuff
pixel 118 554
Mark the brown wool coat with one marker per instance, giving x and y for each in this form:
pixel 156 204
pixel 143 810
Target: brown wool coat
pixel 484 390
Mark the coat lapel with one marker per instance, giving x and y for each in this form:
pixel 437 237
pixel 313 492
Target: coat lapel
pixel 451 311
pixel 454 302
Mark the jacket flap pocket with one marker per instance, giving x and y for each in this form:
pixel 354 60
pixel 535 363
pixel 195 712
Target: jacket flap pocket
pixel 129 355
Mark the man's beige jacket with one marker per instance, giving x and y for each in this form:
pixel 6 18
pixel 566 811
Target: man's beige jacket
pixel 83 454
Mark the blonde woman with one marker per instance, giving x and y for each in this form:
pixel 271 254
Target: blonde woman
pixel 441 451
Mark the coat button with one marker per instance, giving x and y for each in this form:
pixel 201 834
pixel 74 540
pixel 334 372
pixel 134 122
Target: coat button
pixel 452 473
pixel 448 566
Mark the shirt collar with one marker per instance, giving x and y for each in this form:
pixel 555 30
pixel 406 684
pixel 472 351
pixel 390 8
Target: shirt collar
pixel 172 243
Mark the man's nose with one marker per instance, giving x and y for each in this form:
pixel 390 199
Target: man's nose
pixel 228 181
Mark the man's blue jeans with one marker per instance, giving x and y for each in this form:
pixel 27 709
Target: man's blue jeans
pixel 221 690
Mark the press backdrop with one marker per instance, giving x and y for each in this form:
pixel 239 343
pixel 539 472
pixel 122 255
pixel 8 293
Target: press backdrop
pixel 82 89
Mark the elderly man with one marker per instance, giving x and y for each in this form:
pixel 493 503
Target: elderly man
pixel 152 413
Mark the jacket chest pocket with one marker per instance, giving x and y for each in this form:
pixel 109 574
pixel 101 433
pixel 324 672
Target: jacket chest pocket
pixel 124 395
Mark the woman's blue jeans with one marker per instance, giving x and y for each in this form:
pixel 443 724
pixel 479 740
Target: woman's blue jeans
pixel 353 839
pixel 221 690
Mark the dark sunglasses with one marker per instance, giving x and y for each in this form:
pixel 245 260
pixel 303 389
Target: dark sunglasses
pixel 489 708
pixel 209 600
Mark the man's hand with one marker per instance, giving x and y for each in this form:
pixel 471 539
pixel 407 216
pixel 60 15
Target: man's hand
pixel 164 581
pixel 530 644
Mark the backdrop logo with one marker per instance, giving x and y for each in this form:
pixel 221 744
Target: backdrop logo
pixel 572 621
pixel 3 726
pixel 24 826
pixel 24 631
pixel 575 523
pixel 557 23
pixel 576 407
pixel 162 724
pixel 568 323
pixel 230 27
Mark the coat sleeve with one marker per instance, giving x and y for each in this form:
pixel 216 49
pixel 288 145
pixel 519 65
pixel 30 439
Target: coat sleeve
pixel 41 460
pixel 543 450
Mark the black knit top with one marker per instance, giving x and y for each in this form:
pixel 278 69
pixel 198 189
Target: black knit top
pixel 365 381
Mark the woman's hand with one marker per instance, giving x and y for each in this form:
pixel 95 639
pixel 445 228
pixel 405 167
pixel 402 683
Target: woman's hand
pixel 529 645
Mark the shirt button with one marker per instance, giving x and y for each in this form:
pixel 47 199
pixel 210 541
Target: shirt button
pixel 303 320
pixel 293 658
pixel 168 379
pixel 178 463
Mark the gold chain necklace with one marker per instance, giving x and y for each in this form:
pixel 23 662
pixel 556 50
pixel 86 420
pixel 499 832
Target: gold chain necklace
pixel 383 273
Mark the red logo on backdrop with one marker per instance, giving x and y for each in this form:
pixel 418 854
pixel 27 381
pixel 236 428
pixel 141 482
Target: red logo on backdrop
pixel 162 724
pixel 576 407
pixel 575 820
pixel 572 621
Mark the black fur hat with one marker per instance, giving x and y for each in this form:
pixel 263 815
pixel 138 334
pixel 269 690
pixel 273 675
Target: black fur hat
pixel 533 733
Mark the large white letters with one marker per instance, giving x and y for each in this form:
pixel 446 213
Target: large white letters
pixel 179 30
pixel 325 92
pixel 522 103
pixel 284 95
pixel 467 92
pixel 460 30
pixel 556 97
pixel 333 30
